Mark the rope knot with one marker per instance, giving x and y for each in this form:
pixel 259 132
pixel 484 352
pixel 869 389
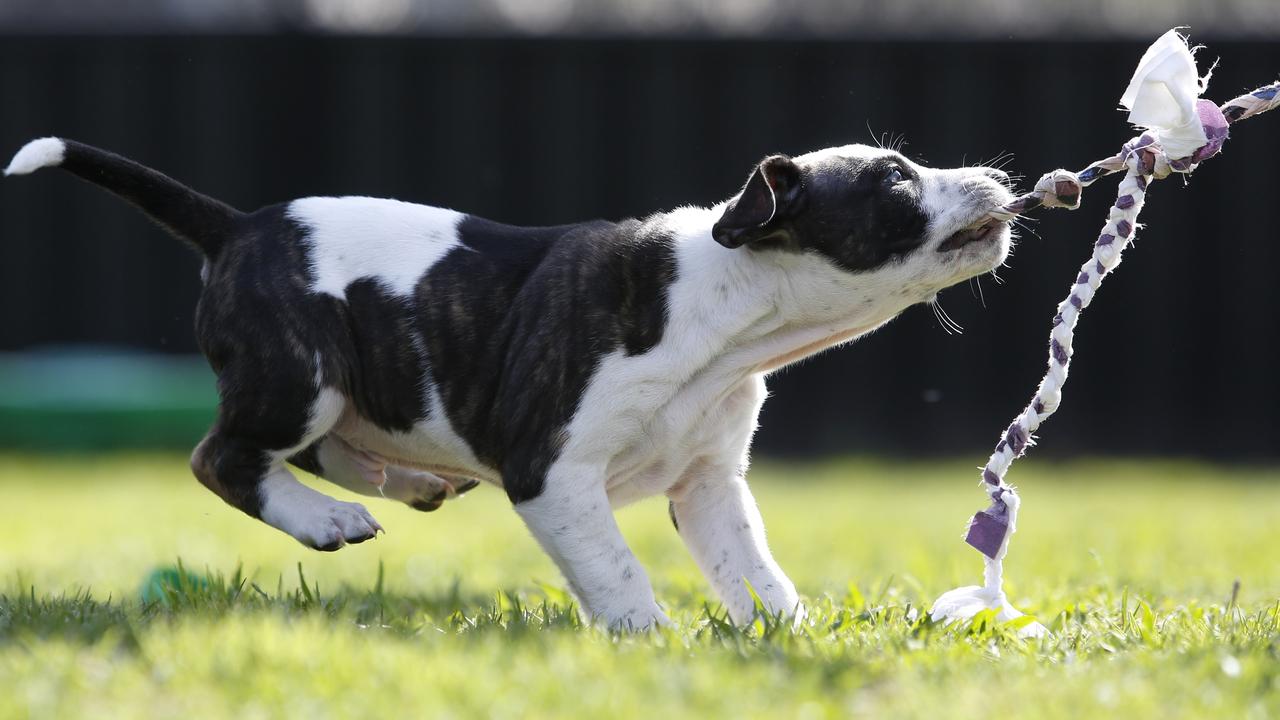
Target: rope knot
pixel 1149 158
pixel 1060 188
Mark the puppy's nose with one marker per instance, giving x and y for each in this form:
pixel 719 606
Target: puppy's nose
pixel 995 174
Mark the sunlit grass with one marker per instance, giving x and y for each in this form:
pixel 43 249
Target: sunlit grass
pixel 1132 565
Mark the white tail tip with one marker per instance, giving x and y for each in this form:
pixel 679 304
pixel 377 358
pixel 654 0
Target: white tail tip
pixel 36 154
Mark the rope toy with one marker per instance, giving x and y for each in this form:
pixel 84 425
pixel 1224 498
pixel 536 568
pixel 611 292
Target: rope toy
pixel 1181 131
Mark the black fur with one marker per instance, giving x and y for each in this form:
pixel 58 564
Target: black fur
pixel 259 327
pixel 195 218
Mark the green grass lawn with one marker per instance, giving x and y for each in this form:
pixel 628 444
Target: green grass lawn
pixel 458 614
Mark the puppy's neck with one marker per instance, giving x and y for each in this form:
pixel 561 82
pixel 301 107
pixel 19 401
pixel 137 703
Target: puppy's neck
pixel 758 310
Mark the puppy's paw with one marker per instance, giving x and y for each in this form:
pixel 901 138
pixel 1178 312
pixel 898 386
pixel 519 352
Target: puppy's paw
pixel 635 620
pixel 313 518
pixel 349 524
pixel 424 491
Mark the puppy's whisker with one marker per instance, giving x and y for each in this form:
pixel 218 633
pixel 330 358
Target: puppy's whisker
pixel 951 326
pixel 1020 224
pixel 945 328
pixel 982 298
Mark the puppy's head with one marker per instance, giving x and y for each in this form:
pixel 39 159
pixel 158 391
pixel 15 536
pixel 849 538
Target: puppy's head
pixel 871 212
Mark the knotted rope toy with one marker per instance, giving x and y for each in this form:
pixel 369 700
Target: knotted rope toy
pixel 1181 131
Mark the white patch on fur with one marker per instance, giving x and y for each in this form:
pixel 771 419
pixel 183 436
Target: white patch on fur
pixel 45 152
pixel 392 242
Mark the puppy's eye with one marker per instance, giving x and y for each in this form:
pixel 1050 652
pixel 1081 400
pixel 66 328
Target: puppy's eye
pixel 894 176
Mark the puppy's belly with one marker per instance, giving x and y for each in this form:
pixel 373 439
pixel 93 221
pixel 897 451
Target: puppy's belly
pixel 432 445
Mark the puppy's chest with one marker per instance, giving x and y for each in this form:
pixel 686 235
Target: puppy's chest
pixel 650 449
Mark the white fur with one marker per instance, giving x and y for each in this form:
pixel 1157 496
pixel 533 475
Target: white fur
pixel 720 523
pixel 573 521
pixel 389 241
pixel 311 517
pixel 44 152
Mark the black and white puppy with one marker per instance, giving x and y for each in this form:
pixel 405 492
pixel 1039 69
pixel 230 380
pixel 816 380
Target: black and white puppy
pixel 382 344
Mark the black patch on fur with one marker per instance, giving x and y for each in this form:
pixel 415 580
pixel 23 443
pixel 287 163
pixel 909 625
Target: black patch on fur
pixel 846 211
pixel 383 359
pixel 516 322
pixel 261 330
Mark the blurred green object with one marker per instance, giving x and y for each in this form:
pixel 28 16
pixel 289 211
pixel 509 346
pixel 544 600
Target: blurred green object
pixel 165 582
pixel 102 400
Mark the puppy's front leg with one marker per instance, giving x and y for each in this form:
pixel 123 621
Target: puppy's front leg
pixel 572 520
pixel 718 519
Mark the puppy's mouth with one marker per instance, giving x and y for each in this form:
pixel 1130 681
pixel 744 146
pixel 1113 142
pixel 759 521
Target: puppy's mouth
pixel 981 231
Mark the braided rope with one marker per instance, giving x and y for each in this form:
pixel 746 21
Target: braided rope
pixel 1143 161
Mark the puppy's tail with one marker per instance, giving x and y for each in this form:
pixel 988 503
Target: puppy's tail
pixel 198 219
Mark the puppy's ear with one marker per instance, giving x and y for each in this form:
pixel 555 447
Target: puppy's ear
pixel 772 192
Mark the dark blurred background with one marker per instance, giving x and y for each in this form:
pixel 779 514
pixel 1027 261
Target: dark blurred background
pixel 551 111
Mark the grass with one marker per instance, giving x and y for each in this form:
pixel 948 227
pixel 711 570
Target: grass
pixel 1134 566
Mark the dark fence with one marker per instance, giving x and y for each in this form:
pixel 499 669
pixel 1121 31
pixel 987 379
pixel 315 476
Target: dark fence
pixel 1175 356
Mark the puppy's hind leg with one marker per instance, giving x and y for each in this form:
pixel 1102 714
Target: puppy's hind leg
pixel 334 460
pixel 242 460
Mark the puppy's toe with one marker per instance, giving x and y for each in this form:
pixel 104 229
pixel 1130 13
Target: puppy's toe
pixel 350 524
pixel 431 504
pixel 424 491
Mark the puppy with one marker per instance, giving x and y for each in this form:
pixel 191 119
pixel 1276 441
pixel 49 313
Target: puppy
pixel 412 350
